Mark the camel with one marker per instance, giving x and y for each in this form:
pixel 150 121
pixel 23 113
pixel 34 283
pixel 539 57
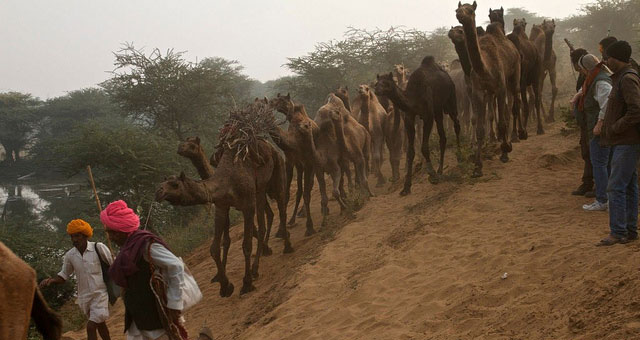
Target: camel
pixel 368 111
pixel 495 72
pixel 462 95
pixel 542 37
pixel 297 153
pixel 430 93
pixel 193 150
pixel 497 15
pixel 242 184
pixel 529 73
pixel 22 300
pixel 343 93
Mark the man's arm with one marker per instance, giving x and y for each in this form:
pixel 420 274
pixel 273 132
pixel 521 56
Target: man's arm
pixel 173 272
pixel 104 252
pixel 630 87
pixel 603 89
pixel 63 275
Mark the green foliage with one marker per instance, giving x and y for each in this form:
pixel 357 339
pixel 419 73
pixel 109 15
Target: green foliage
pixel 17 118
pixel 173 97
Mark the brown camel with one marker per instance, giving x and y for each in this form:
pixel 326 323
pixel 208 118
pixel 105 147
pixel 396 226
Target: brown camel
pixel 495 73
pixel 22 300
pixel 497 15
pixel 530 71
pixel 297 153
pixel 343 93
pixel 238 183
pixel 542 37
pixel 462 96
pixel 193 150
pixel 430 93
pixel 368 111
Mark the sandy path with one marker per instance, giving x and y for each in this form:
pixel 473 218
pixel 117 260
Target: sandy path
pixel 429 266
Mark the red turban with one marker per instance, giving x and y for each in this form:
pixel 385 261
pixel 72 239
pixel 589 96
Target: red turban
pixel 117 216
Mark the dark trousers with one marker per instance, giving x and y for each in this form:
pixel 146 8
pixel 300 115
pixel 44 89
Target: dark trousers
pixel 587 172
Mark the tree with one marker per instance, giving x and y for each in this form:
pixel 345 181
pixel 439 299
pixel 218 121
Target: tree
pixel 173 97
pixel 17 119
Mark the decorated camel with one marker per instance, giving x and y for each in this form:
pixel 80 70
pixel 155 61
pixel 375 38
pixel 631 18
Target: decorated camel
pixel 430 93
pixel 247 169
pixel 542 37
pixel 22 301
pixel 297 153
pixel 368 111
pixel 495 71
pixel 530 72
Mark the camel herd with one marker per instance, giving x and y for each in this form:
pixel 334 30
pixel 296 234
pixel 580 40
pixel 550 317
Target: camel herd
pixel 495 74
pixel 490 82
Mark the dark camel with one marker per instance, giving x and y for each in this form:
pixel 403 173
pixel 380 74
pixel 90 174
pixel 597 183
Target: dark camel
pixel 530 72
pixel 497 15
pixel 542 37
pixel 430 93
pixel 297 153
pixel 22 301
pixel 242 184
pixel 495 73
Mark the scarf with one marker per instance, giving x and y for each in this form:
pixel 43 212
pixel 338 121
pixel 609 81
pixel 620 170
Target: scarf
pixel 125 263
pixel 587 84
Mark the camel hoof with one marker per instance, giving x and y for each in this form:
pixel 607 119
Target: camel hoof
pixel 405 192
pixel 247 288
pixel 288 249
pixel 226 291
pixel 523 134
pixel 281 233
pixel 267 251
pixel 504 158
pixel 540 131
pixel 515 139
pixel 216 278
pixel 311 231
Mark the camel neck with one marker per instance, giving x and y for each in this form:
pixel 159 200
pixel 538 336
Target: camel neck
pixel 548 47
pixel 473 46
pixel 205 170
pixel 364 111
pixel 463 56
pixel 345 101
pixel 399 99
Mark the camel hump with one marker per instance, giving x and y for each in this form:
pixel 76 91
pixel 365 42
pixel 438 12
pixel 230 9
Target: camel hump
pixel 428 61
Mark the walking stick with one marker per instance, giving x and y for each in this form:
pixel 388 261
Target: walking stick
pixel 95 192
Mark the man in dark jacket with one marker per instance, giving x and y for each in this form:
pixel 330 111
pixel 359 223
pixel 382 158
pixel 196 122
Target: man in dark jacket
pixel 620 131
pixel 586 188
pixel 608 41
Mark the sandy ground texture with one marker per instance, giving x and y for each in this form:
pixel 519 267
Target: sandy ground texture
pixel 431 265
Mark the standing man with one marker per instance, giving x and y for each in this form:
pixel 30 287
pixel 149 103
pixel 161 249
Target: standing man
pixel 592 104
pixel 586 188
pixel 150 314
pixel 83 260
pixel 608 41
pixel 620 131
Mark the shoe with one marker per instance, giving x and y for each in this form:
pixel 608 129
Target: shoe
pixel 590 194
pixel 632 238
pixel 596 206
pixel 582 189
pixel 611 240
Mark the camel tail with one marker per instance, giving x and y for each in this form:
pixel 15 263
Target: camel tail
pixel 47 321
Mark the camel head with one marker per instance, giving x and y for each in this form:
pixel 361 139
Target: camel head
pixel 456 34
pixel 496 15
pixel 364 91
pixel 520 23
pixel 343 93
pixel 190 148
pixel 385 84
pixel 444 66
pixel 174 190
pixel 549 26
pixel 400 71
pixel 480 31
pixel 466 14
pixel 282 104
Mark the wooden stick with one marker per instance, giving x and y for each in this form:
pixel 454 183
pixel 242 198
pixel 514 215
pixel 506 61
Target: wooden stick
pixel 571 48
pixel 95 192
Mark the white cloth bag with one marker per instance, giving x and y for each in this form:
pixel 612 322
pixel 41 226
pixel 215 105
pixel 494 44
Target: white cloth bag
pixel 191 293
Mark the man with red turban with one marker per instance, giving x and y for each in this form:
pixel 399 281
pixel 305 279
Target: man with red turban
pixel 150 313
pixel 83 260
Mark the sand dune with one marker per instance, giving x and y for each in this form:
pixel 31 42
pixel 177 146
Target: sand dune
pixel 430 265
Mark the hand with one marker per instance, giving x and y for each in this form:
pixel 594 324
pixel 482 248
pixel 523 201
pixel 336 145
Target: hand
pixel 598 128
pixel 174 314
pixel 44 283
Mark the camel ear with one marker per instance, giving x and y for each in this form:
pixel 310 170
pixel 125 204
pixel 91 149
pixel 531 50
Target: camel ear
pixel 346 88
pixel 182 176
pixel 459 4
pixel 501 10
pixel 490 10
pixel 475 5
pixel 198 140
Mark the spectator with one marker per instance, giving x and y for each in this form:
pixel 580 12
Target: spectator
pixel 620 131
pixel 605 43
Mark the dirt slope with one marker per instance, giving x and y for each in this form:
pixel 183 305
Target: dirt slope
pixel 429 266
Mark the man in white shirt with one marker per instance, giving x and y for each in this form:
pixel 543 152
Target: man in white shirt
pixel 83 261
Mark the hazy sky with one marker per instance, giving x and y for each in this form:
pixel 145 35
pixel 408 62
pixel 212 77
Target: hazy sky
pixel 50 47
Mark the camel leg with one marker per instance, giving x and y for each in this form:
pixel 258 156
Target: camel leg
pixel 324 200
pixel 289 169
pixel 492 118
pixel 554 93
pixel 426 134
pixel 299 171
pixel 409 125
pixel 394 156
pixel 515 108
pixel 248 213
pixel 443 140
pixel 308 186
pixel 335 179
pixel 261 204
pixel 502 127
pixel 537 97
pixel 266 251
pixel 526 111
pixel 221 219
pixel 345 171
pixel 479 105
pixel 377 162
pixel 363 183
pixel 543 76
pixel 419 128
